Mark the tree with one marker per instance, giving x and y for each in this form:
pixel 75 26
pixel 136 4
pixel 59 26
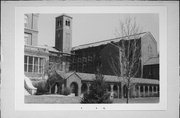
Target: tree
pixel 54 78
pixel 127 65
pixel 50 78
pixel 98 91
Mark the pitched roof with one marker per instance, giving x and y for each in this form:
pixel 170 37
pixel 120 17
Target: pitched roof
pixel 104 42
pixel 64 74
pixel 108 78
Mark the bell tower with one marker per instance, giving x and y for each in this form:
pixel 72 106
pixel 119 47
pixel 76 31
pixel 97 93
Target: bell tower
pixel 63 33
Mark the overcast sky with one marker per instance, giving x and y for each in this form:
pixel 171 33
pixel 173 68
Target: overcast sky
pixel 88 28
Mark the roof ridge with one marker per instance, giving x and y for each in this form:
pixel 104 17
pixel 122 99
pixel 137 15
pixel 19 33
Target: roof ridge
pixel 109 39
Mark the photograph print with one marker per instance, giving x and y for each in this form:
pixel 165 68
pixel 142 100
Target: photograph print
pixel 104 58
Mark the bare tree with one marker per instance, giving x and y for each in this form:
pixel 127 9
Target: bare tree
pixel 50 70
pixel 127 65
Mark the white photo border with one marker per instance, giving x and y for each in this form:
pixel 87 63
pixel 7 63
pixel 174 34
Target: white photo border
pixel 19 56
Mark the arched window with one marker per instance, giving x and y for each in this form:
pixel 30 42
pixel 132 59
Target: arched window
pixel 67 22
pixel 59 23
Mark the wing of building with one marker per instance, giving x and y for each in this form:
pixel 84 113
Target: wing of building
pixel 86 58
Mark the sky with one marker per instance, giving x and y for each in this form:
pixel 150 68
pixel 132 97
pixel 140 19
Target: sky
pixel 88 28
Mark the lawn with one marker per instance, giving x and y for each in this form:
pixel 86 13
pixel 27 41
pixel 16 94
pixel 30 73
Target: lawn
pixel 54 99
pixel 51 99
pixel 138 100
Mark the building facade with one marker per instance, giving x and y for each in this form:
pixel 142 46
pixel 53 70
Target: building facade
pixel 86 58
pixel 36 57
pixel 80 83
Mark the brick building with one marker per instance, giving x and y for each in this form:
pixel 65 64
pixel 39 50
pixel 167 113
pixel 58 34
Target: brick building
pixel 78 65
pixel 86 58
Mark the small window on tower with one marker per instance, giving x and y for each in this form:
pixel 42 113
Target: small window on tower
pixel 59 23
pixel 67 23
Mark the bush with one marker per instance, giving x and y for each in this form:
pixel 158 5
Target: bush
pixel 97 93
pixel 66 91
pixel 115 94
pixel 41 86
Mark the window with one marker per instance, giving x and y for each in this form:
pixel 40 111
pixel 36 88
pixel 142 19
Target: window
pixel 27 39
pixel 79 60
pixel 25 63
pixel 25 21
pixel 40 65
pixel 74 60
pixel 84 59
pixel 150 54
pixel 30 64
pixel 33 64
pixel 89 58
pixel 67 22
pixel 59 23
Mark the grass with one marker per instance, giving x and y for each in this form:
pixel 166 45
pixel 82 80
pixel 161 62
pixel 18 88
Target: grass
pixel 51 99
pixel 59 99
pixel 138 100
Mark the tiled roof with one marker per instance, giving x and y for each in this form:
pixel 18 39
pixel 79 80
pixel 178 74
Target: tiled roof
pixel 106 41
pixel 108 78
pixel 151 61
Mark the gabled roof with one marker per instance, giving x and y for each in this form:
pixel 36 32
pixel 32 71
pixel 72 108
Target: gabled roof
pixel 108 78
pixel 64 74
pixel 104 42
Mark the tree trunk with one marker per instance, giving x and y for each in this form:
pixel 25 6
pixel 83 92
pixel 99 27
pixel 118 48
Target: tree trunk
pixel 127 100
